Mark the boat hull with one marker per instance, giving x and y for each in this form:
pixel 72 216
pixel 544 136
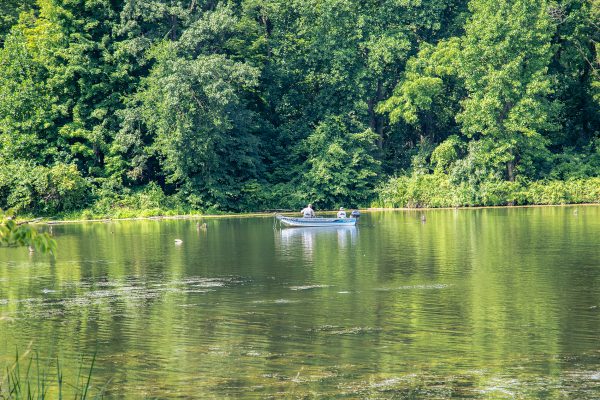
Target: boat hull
pixel 316 222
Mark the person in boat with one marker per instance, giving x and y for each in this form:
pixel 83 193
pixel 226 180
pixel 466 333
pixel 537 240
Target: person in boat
pixel 341 213
pixel 308 212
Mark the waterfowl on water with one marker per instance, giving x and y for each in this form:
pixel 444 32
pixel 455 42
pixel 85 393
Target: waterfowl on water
pixel 178 241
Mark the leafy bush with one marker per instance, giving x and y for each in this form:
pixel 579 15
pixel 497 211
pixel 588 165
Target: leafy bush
pixel 26 187
pixel 446 153
pixel 571 164
pixel 342 167
pixel 418 190
pixel 564 192
pixel 65 189
pixel 438 190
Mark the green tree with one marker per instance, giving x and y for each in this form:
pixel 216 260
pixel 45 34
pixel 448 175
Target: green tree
pixel 428 95
pixel 194 104
pixel 505 56
pixel 576 73
pixel 342 169
pixel 594 59
pixel 140 26
pixel 24 101
pixel 28 108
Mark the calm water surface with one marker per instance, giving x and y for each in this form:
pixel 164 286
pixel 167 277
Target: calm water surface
pixel 494 303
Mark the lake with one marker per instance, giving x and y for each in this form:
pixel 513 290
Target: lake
pixel 471 303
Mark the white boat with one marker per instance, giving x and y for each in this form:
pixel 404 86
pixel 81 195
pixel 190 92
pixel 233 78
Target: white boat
pixel 317 221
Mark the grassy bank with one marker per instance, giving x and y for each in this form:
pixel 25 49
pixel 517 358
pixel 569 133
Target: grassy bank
pixel 438 190
pixel 435 190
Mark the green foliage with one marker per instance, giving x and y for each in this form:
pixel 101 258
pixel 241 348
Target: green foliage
pixel 505 56
pixel 9 13
pixel 430 190
pixel 594 46
pixel 13 233
pixel 27 187
pixel 118 202
pixel 24 100
pixel 152 106
pixel 438 190
pixel 446 153
pixel 342 166
pixel 427 93
pixel 65 188
pixel 193 105
pixel 576 164
pixel 32 381
pixel 564 192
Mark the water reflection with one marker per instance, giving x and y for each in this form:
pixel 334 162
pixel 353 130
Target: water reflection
pixel 307 238
pixel 499 303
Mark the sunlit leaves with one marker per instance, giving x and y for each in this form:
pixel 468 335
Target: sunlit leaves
pixel 13 233
pixel 342 166
pixel 505 56
pixel 211 100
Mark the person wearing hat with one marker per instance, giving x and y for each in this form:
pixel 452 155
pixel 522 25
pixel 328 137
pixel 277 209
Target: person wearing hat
pixel 341 213
pixel 308 212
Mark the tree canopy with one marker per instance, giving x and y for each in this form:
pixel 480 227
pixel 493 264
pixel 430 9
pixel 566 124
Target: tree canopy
pixel 249 105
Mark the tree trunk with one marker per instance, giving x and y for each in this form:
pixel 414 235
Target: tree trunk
pixel 510 169
pixel 512 164
pixel 376 121
pixel 266 25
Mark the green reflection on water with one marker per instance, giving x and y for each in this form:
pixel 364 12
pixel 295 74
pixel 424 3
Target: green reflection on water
pixel 494 303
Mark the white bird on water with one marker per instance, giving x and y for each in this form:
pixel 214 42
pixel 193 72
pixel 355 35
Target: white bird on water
pixel 178 241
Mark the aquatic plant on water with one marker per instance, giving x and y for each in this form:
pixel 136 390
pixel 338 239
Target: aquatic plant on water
pixel 32 381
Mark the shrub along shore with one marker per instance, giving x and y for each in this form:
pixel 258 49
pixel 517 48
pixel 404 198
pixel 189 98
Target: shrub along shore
pixel 424 191
pixel 438 190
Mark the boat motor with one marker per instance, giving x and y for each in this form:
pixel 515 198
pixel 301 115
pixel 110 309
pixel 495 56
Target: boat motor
pixel 355 214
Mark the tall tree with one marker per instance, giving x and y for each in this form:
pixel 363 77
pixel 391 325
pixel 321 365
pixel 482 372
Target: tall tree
pixel 576 71
pixel 28 106
pixel 141 25
pixel 595 47
pixel 427 97
pixel 342 169
pixel 194 103
pixel 506 52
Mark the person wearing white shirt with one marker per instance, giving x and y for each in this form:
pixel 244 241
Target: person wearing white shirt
pixel 308 212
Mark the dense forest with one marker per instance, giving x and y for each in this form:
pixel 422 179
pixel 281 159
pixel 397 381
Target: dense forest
pixel 242 105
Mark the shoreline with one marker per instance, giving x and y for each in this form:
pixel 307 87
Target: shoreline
pixel 44 221
pixel 478 207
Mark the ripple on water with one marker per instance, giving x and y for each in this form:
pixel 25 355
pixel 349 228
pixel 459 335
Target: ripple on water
pixel 435 286
pixel 308 287
pixel 53 303
pixel 386 383
pixel 339 330
pixel 276 301
pixel 411 385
